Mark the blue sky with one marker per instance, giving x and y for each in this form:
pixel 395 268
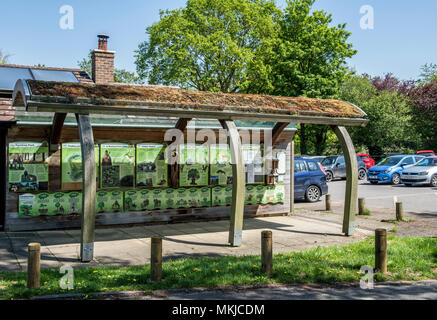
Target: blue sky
pixel 402 40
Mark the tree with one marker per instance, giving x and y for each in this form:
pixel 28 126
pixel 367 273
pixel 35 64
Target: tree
pixel 310 61
pixel 4 57
pixel 212 45
pixel 424 99
pixel 120 75
pixel 390 127
pixel 428 73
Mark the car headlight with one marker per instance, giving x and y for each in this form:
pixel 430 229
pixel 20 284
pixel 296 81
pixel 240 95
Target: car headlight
pixel 388 170
pixel 423 173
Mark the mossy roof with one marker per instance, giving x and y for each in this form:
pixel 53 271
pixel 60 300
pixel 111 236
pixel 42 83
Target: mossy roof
pixel 99 94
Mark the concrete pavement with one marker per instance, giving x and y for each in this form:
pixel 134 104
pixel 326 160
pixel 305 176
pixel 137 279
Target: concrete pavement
pixel 124 246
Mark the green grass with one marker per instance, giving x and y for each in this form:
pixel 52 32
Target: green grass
pixel 408 259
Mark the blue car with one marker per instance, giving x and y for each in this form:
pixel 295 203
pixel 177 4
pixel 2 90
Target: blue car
pixel 389 169
pixel 309 180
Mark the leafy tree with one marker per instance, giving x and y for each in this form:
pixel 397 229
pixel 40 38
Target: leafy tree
pixel 4 57
pixel 391 83
pixel 428 73
pixel 120 75
pixel 310 61
pixel 424 99
pixel 211 45
pixel 390 127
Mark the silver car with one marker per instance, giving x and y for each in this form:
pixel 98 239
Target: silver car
pixel 423 172
pixel 335 167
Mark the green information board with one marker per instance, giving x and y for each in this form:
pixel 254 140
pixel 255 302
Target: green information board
pixel 71 165
pixel 220 165
pixel 221 196
pixel 182 197
pixel 151 165
pixel 117 165
pixel 193 165
pixel 109 201
pixel 28 166
pixel 170 196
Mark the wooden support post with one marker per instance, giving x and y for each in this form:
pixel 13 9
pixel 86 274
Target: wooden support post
pixel 361 206
pixel 3 176
pixel 266 252
pixel 351 195
pixel 56 130
pixel 181 125
pixel 156 259
pixel 88 187
pixel 381 250
pixel 328 202
pixel 238 184
pixel 399 211
pixel 33 265
pixel 292 177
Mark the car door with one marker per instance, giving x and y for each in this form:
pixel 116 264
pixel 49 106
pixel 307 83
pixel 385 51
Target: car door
pixel 300 177
pixel 340 168
pixel 407 162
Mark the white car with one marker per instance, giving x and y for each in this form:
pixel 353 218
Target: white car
pixel 423 172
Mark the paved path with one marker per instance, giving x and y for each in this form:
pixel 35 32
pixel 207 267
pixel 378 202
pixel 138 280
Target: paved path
pixel 406 290
pixel 131 245
pixel 424 290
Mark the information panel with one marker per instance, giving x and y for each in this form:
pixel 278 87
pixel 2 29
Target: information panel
pixel 28 168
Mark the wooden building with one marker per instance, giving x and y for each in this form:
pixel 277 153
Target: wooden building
pixel 99 111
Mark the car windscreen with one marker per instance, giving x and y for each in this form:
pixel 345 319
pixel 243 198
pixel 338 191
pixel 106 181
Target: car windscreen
pixel 427 162
pixel 390 161
pixel 426 154
pixel 328 161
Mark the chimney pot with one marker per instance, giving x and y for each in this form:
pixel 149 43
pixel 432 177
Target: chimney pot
pixel 103 41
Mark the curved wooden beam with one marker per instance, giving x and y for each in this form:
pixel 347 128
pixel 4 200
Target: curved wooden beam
pixel 238 184
pixel 89 187
pixel 351 195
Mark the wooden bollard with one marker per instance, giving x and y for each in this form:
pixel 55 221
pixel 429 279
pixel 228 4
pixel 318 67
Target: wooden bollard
pixel 328 202
pixel 33 265
pixel 399 211
pixel 266 252
pixel 361 206
pixel 156 259
pixel 381 250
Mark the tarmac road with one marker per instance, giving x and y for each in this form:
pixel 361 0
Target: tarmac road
pixel 415 199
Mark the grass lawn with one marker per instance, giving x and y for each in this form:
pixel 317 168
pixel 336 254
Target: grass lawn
pixel 408 259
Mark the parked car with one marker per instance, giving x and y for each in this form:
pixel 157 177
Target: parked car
pixel 426 153
pixel 367 160
pixel 423 172
pixel 309 180
pixel 389 169
pixel 335 167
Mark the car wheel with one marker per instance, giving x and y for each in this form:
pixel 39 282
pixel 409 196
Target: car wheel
pixel 313 194
pixel 434 181
pixel 329 176
pixel 395 179
pixel 361 174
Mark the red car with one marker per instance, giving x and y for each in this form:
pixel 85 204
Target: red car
pixel 426 153
pixel 367 160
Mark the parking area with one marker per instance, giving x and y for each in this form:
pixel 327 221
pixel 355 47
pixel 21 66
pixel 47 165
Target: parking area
pixel 415 199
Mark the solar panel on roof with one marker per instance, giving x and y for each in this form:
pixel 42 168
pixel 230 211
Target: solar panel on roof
pixel 54 75
pixel 9 76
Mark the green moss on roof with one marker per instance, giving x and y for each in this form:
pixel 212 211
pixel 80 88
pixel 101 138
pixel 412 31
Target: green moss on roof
pixel 172 97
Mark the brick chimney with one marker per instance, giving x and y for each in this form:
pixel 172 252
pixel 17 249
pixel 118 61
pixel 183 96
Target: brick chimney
pixel 103 62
